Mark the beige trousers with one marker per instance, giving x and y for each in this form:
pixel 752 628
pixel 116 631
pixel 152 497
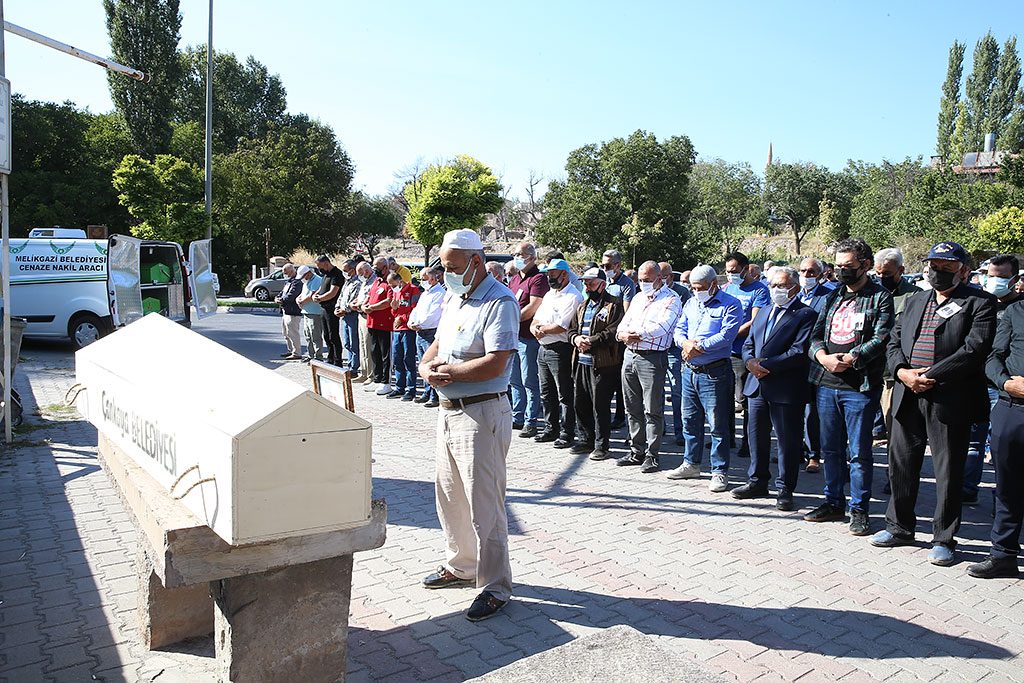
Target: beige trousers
pixel 291 325
pixel 887 404
pixel 472 444
pixel 365 357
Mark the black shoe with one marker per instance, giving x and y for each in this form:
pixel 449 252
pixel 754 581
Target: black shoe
pixel 826 512
pixel 397 393
pixel 528 432
pixel 750 490
pixel 618 423
pixel 650 465
pixel 860 525
pixel 995 568
pixel 409 397
pixel 743 452
pixel 484 607
pixel 516 426
pixel 562 442
pixel 784 501
pixel 599 453
pixel 443 578
pixel 432 403
pixel 628 460
pixel 969 499
pixel 680 441
pixel 887 489
pixel 423 398
pixel 580 447
pixel 546 437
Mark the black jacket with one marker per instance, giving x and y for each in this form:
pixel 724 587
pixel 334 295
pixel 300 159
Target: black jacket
pixel 287 297
pixel 784 352
pixel 606 350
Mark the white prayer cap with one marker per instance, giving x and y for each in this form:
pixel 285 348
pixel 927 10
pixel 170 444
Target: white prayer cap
pixel 462 239
pixel 303 270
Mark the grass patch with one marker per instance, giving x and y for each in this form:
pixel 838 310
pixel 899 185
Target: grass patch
pixel 60 410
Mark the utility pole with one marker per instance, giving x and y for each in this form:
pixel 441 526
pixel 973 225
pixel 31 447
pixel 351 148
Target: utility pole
pixel 209 128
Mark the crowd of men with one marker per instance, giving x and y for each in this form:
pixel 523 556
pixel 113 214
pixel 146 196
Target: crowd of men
pixel 832 357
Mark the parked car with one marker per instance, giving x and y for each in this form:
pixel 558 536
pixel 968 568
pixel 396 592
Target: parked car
pixel 265 288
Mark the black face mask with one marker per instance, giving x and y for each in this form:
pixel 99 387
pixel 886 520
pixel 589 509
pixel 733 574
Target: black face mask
pixel 848 276
pixel 378 272
pixel 594 294
pixel 889 282
pixel 941 280
pixel 553 281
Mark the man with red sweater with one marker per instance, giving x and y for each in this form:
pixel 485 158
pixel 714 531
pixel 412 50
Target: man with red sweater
pixel 403 341
pixel 380 323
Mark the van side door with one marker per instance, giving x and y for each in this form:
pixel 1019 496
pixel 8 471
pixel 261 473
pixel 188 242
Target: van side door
pixel 200 277
pixel 124 292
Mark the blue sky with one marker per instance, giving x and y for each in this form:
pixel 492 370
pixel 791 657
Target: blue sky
pixel 519 85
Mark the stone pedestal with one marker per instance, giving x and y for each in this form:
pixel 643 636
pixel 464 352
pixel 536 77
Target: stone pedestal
pixel 167 615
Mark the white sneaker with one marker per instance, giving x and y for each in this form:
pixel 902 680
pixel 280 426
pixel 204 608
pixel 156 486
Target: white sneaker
pixel 719 482
pixel 685 471
pixel 369 386
pixel 385 389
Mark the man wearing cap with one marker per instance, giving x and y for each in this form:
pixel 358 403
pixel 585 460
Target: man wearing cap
pixel 646 330
pixel 469 363
pixel 937 355
pixel 596 363
pixel 550 327
pixel 312 321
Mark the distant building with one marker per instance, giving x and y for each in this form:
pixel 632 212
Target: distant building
pixel 985 164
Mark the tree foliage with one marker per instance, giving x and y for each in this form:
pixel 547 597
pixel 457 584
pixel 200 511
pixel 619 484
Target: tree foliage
pixel 949 105
pixel 883 189
pixel 793 193
pixel 454 196
pixel 144 34
pixel 636 186
pixel 374 218
pixel 1002 231
pixel 247 98
pixel 165 195
pixel 726 199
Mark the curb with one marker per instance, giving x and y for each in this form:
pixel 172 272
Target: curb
pixel 248 309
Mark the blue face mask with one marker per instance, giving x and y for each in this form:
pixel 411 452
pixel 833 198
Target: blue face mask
pixel 456 283
pixel 520 262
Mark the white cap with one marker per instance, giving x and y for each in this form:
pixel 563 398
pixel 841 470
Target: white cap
pixel 462 239
pixel 303 270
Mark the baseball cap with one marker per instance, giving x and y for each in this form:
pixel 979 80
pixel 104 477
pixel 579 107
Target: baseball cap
pixel 947 251
pixel 593 274
pixel 557 264
pixel 303 270
pixel 462 239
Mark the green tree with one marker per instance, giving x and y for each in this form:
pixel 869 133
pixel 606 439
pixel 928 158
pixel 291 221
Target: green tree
pixel 948 107
pixel 1011 171
pixel 883 190
pixel 144 34
pixel 726 198
pixel 793 194
pixel 637 182
pixel 1005 89
pixel 958 146
pixel 165 195
pixel 374 218
pixel 296 181
pixel 454 196
pixel 247 98
pixel 1002 230
pixel 978 90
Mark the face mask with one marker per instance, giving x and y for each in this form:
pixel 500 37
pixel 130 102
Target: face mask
pixel 378 272
pixel 808 283
pixel 848 276
pixel 594 294
pixel 396 289
pixel 519 262
pixel 703 296
pixel 647 288
pixel 941 280
pixel 735 278
pixel 455 283
pixel 889 282
pixel 554 283
pixel 780 296
pixel 999 286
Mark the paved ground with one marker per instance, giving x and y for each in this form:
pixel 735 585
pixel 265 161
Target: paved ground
pixel 741 589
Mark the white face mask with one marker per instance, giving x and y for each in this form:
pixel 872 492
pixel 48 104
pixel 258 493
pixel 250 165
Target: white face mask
pixel 703 296
pixel 780 296
pixel 808 283
pixel 735 278
pixel 999 286
pixel 647 288
pixel 456 282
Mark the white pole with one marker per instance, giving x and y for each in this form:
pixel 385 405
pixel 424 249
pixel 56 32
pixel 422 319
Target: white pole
pixel 209 128
pixel 75 52
pixel 5 254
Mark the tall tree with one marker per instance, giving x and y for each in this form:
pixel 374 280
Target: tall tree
pixel 950 99
pixel 247 98
pixel 165 195
pixel 978 90
pixel 884 188
pixel 794 194
pixel 451 197
pixel 1005 89
pixel 726 198
pixel 374 218
pixel 144 34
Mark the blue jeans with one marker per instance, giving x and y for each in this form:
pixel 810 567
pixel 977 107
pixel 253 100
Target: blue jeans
pixel 675 384
pixel 976 452
pixel 525 383
pixel 350 340
pixel 847 418
pixel 708 395
pixel 403 357
pixel 424 338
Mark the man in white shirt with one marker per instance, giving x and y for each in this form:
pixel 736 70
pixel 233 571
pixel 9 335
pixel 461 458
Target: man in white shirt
pixel 550 326
pixel 646 330
pixel 366 274
pixel 424 320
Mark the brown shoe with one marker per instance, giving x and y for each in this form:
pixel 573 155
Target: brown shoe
pixel 443 578
pixel 813 466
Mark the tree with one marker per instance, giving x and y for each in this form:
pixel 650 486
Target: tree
pixel 247 99
pixel 948 107
pixel 454 196
pixel 166 195
pixel 1005 89
pixel 883 190
pixel 726 197
pixel 980 83
pixel 1003 230
pixel 637 184
pixel 144 34
pixel 1011 171
pixel 296 180
pixel 794 193
pixel 374 218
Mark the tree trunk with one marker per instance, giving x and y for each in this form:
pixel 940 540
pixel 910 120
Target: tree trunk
pixel 426 255
pixel 797 237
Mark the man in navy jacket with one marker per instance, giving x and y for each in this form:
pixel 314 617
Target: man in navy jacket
pixel 775 353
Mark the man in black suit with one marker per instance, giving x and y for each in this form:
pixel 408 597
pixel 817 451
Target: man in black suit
pixel 775 353
pixel 937 355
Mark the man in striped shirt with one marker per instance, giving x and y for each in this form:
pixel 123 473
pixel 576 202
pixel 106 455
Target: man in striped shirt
pixel 646 330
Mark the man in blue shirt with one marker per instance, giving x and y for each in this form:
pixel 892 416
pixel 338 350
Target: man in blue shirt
pixel 753 296
pixel 705 332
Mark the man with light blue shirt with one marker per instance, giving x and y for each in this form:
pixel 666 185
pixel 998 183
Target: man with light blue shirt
pixel 705 333
pixel 312 314
pixel 752 294
pixel 470 363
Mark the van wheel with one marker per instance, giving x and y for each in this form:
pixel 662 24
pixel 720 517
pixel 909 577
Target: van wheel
pixel 261 294
pixel 84 329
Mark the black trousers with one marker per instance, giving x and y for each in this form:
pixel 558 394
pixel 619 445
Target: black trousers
pixel 1008 458
pixel 593 388
pixel 380 349
pixel 554 369
pixel 740 372
pixel 788 421
pixel 913 427
pixel 332 337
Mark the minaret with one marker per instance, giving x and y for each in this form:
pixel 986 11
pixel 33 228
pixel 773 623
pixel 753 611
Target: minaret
pixel 769 153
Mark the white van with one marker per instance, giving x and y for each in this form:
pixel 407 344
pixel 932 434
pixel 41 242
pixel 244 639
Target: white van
pixel 82 288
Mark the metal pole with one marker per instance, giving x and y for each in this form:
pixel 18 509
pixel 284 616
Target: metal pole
pixel 75 52
pixel 209 128
pixel 5 254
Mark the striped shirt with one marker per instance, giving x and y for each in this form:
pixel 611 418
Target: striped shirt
pixel 923 353
pixel 654 319
pixel 591 309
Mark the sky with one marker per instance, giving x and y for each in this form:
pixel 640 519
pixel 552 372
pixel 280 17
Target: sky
pixel 519 85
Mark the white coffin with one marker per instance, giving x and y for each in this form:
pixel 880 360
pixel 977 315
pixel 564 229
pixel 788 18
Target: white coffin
pixel 277 460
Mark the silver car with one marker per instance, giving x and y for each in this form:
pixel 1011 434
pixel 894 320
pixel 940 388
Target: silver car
pixel 265 288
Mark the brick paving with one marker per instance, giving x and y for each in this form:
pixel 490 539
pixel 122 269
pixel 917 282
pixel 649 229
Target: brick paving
pixel 743 589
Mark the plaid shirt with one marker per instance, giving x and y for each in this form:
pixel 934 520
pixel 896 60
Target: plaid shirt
pixel 875 302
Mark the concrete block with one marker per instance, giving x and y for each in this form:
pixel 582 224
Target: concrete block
pixel 167 615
